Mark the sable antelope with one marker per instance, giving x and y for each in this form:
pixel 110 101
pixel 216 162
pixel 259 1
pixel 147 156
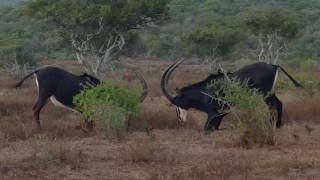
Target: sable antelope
pixel 261 76
pixel 61 86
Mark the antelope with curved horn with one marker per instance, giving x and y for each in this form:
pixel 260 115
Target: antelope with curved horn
pixel 260 75
pixel 61 86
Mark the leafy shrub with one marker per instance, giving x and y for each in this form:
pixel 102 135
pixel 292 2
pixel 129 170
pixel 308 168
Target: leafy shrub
pixel 108 107
pixel 248 108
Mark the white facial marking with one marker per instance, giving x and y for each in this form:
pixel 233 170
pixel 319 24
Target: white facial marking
pixel 274 81
pixel 182 114
pixel 37 83
pixel 58 103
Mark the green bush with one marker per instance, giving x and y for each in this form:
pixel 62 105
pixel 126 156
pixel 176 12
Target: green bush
pixel 249 110
pixel 108 107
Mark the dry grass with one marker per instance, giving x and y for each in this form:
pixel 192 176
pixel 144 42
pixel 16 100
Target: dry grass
pixel 46 153
pixel 153 120
pixel 15 118
pixel 42 155
pixel 292 164
pixel 213 167
pixel 143 151
pixel 306 109
pixel 159 114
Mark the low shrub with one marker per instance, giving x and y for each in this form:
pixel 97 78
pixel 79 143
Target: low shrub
pixel 248 108
pixel 108 107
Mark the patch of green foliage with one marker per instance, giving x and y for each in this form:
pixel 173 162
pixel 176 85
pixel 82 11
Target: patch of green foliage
pixel 35 37
pixel 108 106
pixel 251 114
pixel 10 41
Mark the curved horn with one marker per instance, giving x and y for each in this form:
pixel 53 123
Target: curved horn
pixel 143 82
pixel 144 86
pixel 165 78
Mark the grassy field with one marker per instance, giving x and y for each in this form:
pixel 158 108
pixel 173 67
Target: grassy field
pixel 156 148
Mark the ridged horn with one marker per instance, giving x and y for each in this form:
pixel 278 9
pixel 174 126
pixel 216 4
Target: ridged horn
pixel 142 81
pixel 144 86
pixel 165 78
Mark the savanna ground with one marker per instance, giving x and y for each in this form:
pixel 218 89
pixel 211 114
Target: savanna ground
pixel 156 147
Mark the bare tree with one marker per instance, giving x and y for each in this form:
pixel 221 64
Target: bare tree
pixel 212 60
pixel 271 47
pixel 97 58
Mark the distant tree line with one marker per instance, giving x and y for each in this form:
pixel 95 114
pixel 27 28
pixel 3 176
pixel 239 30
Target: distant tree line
pixel 205 29
pixel 234 29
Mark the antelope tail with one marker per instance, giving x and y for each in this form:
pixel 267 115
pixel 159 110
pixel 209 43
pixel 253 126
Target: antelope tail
pixel 24 78
pixel 290 77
